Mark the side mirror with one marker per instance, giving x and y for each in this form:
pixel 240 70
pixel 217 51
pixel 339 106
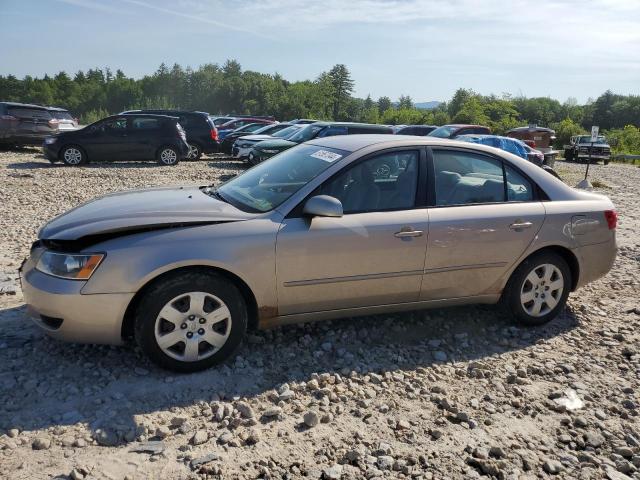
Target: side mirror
pixel 323 206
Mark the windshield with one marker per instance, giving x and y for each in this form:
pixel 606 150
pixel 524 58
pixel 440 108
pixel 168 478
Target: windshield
pixel 286 132
pixel 306 133
pixel 442 132
pixel 587 139
pixel 217 121
pixel 270 183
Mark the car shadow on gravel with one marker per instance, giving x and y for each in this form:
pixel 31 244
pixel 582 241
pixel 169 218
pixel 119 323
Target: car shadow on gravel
pixel 47 383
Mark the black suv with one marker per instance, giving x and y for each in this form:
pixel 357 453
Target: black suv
pixel 202 134
pixel 24 124
pixel 121 137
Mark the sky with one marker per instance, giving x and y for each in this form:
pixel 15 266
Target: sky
pixel 422 48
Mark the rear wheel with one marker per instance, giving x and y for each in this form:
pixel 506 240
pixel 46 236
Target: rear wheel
pixel 538 289
pixel 168 156
pixel 191 321
pixel 195 152
pixel 73 156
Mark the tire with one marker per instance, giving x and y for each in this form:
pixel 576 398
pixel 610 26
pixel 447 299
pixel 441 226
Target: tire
pixel 252 159
pixel 522 286
pixel 195 151
pixel 568 156
pixel 198 306
pixel 72 156
pixel 168 156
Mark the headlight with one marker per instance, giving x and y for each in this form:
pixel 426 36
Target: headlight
pixel 67 265
pixel 270 150
pixel 50 140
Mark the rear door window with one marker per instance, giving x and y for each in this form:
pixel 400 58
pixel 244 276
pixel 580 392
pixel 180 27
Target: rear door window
pixel 138 124
pixel 464 178
pixel 29 113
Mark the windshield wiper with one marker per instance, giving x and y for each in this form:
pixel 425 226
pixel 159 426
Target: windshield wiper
pixel 213 192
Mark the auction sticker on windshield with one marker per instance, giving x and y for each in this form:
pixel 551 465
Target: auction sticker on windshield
pixel 326 155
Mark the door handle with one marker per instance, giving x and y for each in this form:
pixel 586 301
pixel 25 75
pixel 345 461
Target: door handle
pixel 408 232
pixel 520 225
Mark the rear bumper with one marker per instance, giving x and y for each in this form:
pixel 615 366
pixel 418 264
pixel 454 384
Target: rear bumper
pixel 59 308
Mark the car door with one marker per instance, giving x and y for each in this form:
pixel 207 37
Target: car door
pixel 142 139
pixel 479 225
pixel 107 140
pixel 372 255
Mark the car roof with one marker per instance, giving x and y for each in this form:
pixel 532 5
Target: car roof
pixel 531 129
pixel 28 105
pixel 461 125
pixel 158 110
pixel 145 115
pixel 350 124
pixel 488 135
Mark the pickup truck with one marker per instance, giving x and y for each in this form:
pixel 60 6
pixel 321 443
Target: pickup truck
pixel 580 145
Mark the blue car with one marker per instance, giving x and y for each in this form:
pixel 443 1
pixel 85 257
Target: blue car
pixel 511 145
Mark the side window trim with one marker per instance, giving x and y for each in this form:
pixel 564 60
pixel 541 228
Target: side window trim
pixel 538 194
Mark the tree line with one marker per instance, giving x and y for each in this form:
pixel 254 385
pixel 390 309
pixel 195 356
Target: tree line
pixel 227 89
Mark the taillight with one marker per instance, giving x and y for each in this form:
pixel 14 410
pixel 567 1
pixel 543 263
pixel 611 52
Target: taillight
pixel 612 218
pixel 214 134
pixel 53 122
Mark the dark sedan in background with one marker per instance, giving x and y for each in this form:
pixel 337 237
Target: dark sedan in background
pixel 456 129
pixel 121 137
pixel 226 145
pixel 419 130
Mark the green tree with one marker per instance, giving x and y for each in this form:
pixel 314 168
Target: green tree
pixel 384 104
pixel 342 89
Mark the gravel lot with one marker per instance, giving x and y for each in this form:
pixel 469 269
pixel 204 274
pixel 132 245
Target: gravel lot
pixel 456 393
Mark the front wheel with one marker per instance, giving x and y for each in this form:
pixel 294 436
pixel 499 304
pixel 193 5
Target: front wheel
pixel 538 289
pixel 191 321
pixel 73 156
pixel 168 156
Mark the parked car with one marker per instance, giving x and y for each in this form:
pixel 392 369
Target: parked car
pixel 313 234
pixel 420 130
pixel 581 150
pixel 511 145
pixel 539 138
pixel 137 136
pixel 231 125
pixel 302 121
pixel 243 145
pixel 201 131
pixel 217 121
pixel 25 124
pixel 249 129
pixel 63 119
pixel 455 130
pixel 268 148
pixel 534 156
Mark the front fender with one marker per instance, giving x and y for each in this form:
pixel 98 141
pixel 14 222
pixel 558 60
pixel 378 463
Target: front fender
pixel 245 249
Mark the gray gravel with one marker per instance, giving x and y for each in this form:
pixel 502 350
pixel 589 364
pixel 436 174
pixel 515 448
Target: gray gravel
pixel 455 393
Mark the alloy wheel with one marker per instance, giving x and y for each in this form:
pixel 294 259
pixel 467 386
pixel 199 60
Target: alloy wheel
pixel 72 156
pixel 194 152
pixel 541 290
pixel 193 326
pixel 168 156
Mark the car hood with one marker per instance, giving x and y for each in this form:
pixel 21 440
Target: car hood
pixel 279 144
pixel 138 210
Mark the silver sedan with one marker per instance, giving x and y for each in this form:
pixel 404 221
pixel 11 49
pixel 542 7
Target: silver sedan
pixel 337 227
